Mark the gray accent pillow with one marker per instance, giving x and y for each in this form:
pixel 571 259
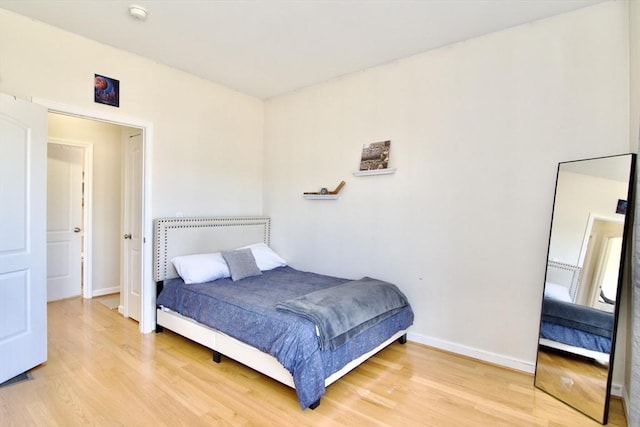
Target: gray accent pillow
pixel 241 264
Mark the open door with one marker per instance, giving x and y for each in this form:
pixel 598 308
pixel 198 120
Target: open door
pixel 132 224
pixel 23 283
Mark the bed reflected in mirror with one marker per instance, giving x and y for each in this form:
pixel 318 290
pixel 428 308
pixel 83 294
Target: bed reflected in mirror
pixel 583 280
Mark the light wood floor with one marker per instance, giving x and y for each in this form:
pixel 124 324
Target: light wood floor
pixel 102 372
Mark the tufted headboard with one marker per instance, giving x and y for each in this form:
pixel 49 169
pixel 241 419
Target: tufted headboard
pixel 184 236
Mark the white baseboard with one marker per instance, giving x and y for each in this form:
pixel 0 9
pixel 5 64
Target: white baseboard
pixel 617 390
pixel 106 291
pixel 626 402
pixel 474 353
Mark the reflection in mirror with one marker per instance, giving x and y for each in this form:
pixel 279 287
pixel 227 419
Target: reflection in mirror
pixel 589 230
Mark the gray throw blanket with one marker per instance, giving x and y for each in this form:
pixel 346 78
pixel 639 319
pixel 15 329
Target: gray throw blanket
pixel 577 316
pixel 343 311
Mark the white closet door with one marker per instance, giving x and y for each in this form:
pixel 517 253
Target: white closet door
pixel 64 221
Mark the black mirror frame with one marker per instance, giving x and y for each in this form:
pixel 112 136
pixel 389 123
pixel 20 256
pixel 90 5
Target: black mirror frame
pixel 622 272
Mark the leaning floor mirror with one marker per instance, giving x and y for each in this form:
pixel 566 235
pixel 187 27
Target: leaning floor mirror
pixel 590 228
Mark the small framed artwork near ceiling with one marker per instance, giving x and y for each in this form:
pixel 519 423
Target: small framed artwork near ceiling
pixel 106 90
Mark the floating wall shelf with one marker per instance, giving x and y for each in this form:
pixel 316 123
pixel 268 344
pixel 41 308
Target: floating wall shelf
pixel 386 171
pixel 325 194
pixel 321 196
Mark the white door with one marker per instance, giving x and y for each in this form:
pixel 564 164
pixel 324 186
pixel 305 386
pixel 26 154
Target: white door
pixel 23 187
pixel 64 221
pixel 132 236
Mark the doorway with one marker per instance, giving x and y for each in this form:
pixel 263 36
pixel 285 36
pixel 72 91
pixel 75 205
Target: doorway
pixel 605 284
pixel 599 279
pixel 146 288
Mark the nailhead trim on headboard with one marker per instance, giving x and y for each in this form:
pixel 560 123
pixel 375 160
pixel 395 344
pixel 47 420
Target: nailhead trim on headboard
pixel 162 225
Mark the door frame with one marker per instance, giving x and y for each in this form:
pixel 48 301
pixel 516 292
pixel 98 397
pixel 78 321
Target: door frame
pixel 619 219
pixel 586 260
pixel 87 213
pixel 147 311
pixel 604 252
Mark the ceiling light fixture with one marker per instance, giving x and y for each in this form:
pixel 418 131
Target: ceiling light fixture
pixel 138 12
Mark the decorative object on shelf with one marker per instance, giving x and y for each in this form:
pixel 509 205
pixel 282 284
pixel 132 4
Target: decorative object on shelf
pixel 106 90
pixel 324 193
pixel 375 156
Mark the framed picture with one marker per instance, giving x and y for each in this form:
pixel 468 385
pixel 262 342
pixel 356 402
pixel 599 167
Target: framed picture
pixel 375 156
pixel 106 90
pixel 621 208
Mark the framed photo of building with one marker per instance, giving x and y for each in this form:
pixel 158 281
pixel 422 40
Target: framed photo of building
pixel 375 156
pixel 106 90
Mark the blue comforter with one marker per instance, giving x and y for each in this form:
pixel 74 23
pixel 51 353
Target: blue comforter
pixel 246 311
pixel 576 325
pixel 575 337
pixel 580 317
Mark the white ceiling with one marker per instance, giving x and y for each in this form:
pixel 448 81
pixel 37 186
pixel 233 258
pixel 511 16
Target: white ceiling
pixel 269 47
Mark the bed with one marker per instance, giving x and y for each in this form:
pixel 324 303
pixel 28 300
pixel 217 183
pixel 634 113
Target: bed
pixel 569 327
pixel 576 329
pixel 270 320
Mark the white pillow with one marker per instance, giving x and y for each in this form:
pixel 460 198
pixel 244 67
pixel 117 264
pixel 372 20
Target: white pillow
pixel 200 268
pixel 557 292
pixel 266 258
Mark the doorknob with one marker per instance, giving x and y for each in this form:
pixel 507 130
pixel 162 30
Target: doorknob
pixel 77 230
pixel 127 236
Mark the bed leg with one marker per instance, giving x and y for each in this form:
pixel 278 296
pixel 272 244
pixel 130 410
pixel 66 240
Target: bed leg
pixel 314 405
pixel 159 329
pixel 217 357
pixel 403 339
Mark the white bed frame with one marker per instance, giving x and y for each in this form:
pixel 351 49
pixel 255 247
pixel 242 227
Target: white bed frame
pixel 598 356
pixel 183 236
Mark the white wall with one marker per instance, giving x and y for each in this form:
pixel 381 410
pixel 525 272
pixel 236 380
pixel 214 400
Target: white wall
pixel 477 130
pixel 204 140
pixel 207 139
pixel 577 196
pixel 106 139
pixel 634 73
pixel 632 390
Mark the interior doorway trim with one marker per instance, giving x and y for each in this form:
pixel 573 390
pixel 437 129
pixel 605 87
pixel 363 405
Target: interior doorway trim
pixel 587 231
pixel 147 311
pixel 87 213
